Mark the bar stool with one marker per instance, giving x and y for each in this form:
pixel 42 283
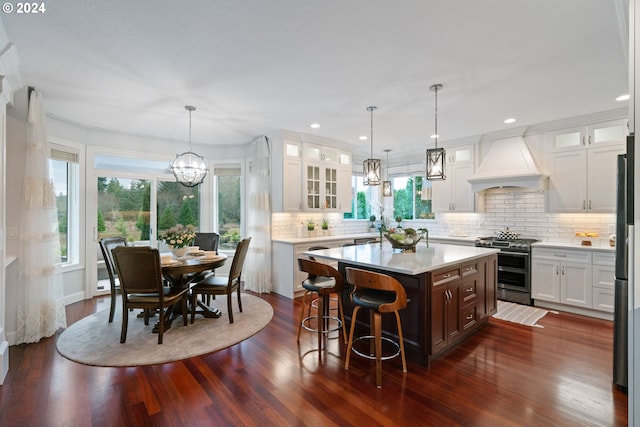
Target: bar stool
pixel 314 303
pixel 380 294
pixel 324 280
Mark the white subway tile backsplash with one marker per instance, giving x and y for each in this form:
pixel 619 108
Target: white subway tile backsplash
pixel 522 212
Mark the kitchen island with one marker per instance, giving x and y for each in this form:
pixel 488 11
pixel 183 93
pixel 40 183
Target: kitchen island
pixel 451 291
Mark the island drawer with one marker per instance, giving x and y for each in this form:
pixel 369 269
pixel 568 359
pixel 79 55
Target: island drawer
pixel 470 268
pixel 468 291
pixel 445 275
pixel 469 316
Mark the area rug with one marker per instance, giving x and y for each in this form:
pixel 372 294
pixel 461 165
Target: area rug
pixel 518 313
pixel 95 341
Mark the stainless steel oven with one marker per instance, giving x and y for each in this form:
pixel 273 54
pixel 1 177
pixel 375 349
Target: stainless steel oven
pixel 514 268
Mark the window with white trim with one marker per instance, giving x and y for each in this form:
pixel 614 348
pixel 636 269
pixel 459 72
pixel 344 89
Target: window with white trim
pixel 65 171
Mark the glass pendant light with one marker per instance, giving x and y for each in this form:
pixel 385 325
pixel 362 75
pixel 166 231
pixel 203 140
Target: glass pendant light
pixel 387 191
pixel 189 168
pixel 371 166
pixel 436 157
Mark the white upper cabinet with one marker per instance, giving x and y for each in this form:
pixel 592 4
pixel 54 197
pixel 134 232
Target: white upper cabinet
pixel 326 178
pixel 287 176
pixel 454 194
pixel 581 163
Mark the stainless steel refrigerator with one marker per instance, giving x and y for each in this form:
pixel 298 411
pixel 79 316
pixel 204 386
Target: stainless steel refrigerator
pixel 624 217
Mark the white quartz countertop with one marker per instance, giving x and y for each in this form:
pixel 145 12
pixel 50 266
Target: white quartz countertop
pixel 317 239
pixel 572 246
pixel 425 259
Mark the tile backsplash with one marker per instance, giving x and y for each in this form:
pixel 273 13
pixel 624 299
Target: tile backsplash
pixel 523 212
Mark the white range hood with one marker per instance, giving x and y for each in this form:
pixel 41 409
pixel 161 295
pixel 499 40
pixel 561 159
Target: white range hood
pixel 508 163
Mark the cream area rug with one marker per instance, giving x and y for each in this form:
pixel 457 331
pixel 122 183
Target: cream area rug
pixel 519 313
pixel 95 341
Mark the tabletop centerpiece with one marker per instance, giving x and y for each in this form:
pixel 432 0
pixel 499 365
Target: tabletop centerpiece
pixel 403 239
pixel 179 238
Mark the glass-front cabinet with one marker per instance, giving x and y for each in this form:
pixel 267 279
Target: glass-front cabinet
pixel 325 171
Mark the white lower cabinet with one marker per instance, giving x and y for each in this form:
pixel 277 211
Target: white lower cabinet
pixel 562 276
pixel 603 281
pixel 573 277
pixel 287 278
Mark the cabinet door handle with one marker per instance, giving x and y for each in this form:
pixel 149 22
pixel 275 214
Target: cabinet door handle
pixel 469 290
pixel 560 255
pixel 446 276
pixel 584 204
pixel 584 141
pixel 469 317
pixel 563 270
pixel 590 141
pixel 589 204
pixel 556 269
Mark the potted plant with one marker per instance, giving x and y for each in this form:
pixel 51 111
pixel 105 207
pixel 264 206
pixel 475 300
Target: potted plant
pixel 372 218
pixel 325 226
pixel 311 226
pixel 399 220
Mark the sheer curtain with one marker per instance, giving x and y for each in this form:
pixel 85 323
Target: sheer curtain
pixel 40 294
pixel 257 268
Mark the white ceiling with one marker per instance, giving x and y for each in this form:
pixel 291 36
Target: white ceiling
pixel 252 67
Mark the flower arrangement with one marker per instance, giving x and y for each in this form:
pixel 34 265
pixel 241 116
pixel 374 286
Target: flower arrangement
pixel 179 236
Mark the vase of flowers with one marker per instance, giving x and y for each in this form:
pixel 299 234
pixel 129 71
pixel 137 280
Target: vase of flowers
pixel 179 238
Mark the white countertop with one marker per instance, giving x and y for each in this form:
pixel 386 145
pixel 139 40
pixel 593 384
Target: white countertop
pixel 572 246
pixel 317 239
pixel 424 259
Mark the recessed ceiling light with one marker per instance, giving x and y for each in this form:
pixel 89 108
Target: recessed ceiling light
pixel 509 120
pixel 363 138
pixel 315 125
pixel 624 97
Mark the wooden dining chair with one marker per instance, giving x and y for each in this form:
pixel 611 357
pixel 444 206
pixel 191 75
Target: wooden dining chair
pixel 106 246
pixel 207 241
pixel 219 285
pixel 142 287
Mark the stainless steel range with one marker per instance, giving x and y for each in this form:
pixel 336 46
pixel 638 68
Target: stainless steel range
pixel 514 267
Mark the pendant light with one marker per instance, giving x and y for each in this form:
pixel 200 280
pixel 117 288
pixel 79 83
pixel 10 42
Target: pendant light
pixel 371 166
pixel 189 168
pixel 386 185
pixel 436 156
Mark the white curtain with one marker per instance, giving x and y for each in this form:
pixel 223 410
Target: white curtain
pixel 257 268
pixel 40 293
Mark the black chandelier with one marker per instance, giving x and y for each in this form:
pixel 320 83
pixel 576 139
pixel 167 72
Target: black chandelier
pixel 436 157
pixel 371 166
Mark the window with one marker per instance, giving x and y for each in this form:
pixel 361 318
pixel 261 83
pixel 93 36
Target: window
pixel 228 184
pixel 411 197
pixel 361 203
pixel 65 172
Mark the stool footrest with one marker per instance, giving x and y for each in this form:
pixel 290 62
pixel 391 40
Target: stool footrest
pixel 373 357
pixel 330 318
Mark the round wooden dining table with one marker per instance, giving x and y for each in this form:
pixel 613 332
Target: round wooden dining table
pixel 178 271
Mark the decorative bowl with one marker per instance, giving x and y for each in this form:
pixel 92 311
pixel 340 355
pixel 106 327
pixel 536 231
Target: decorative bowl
pixel 404 242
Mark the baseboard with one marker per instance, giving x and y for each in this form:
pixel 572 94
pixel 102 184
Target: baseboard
pixel 4 360
pixel 75 297
pixel 575 310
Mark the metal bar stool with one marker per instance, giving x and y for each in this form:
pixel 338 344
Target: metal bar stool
pixel 324 280
pixel 380 294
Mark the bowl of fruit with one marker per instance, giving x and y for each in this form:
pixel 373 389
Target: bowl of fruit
pixel 403 239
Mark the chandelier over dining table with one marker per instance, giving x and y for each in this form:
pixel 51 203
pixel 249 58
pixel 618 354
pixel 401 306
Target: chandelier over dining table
pixel 189 168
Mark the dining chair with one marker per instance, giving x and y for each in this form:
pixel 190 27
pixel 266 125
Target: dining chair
pixel 205 242
pixel 378 293
pixel 141 284
pixel 106 246
pixel 219 285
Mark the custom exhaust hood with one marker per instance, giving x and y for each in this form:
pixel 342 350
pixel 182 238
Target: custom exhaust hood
pixel 508 163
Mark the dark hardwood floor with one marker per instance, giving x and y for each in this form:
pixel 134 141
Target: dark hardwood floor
pixel 506 375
